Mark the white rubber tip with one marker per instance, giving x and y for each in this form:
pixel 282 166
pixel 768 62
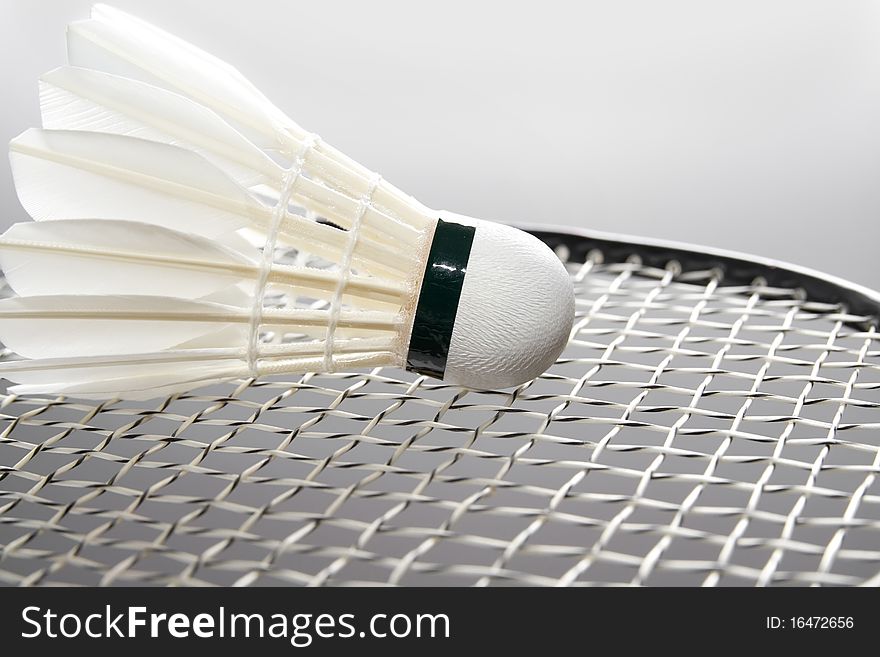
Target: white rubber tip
pixel 516 309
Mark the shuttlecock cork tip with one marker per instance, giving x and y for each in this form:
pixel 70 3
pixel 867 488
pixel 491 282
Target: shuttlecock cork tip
pixel 514 310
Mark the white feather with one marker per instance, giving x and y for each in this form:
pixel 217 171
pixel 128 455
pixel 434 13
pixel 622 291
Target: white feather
pixel 121 44
pixel 62 174
pixel 74 98
pixel 108 256
pixel 128 381
pixel 84 325
pixel 55 326
pixel 115 42
pixel 149 375
pixel 95 256
pixel 79 369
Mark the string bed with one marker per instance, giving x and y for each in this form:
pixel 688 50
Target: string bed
pixel 694 432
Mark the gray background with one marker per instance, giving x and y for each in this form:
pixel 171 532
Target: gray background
pixel 748 125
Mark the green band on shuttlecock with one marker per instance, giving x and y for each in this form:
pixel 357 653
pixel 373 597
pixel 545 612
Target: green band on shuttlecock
pixel 438 299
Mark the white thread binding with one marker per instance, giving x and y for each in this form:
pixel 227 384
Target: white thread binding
pixel 345 271
pixel 291 175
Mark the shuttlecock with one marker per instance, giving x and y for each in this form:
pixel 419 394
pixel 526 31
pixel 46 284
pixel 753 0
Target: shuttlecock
pixel 165 186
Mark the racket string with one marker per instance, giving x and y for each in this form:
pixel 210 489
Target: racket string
pixel 693 433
